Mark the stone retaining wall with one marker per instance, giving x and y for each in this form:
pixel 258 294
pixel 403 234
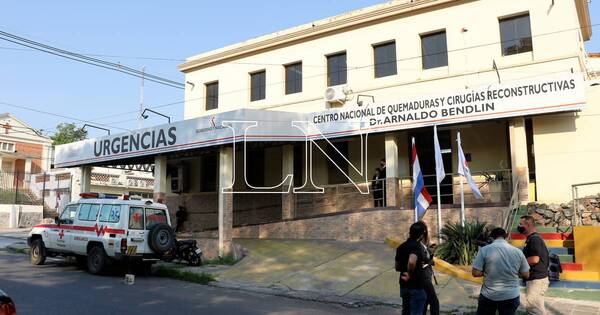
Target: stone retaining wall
pixel 28 215
pixel 562 214
pixel 365 225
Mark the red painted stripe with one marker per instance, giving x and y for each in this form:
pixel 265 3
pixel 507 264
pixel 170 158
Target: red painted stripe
pixel 571 266
pixel 81 228
pixel 546 236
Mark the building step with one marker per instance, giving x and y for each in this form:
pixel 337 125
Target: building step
pixel 580 276
pixel 549 243
pixel 575 284
pixel 546 229
pixel 566 258
pixel 545 235
pixel 571 266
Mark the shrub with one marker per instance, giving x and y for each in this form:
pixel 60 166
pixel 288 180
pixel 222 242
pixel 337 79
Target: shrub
pixel 462 243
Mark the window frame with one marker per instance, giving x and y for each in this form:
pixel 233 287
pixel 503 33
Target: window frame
pixel 264 86
pixel 8 144
pixel 502 41
pixel 112 206
pixel 375 64
pixel 208 97
pixel 422 36
pixel 296 82
pixel 329 73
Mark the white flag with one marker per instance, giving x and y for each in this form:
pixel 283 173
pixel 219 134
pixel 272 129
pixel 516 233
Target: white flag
pixel 439 162
pixel 463 169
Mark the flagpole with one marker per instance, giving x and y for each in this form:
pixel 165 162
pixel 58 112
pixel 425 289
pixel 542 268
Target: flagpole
pixel 462 192
pixel 439 199
pixel 416 210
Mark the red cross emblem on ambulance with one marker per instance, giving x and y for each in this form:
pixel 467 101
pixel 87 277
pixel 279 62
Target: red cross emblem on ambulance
pixel 61 234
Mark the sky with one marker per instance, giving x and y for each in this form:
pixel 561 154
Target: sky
pixel 132 29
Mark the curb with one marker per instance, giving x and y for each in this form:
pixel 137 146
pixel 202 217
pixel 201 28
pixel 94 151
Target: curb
pixel 18 248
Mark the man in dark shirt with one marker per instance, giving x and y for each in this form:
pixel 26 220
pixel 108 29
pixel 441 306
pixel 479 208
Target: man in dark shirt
pixel 410 258
pixel 536 253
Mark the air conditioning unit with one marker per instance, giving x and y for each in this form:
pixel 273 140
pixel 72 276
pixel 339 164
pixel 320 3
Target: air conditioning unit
pixel 336 95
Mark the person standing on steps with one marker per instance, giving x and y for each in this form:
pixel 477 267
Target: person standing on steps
pixel 409 261
pixel 181 215
pixel 376 186
pixel 383 177
pixel 537 255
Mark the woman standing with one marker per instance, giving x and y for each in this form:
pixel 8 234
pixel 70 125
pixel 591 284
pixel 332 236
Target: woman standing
pixel 432 299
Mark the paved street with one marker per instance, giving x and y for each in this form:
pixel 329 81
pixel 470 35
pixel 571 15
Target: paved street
pixel 60 288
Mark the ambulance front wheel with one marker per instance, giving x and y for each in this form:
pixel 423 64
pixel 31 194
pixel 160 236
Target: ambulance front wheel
pixel 37 252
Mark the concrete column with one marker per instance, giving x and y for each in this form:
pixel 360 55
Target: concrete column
pixel 160 178
pixel 86 179
pixel 392 170
pixel 518 157
pixel 225 200
pixel 287 167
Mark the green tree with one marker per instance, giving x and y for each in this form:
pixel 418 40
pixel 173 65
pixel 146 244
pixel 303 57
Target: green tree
pixel 67 133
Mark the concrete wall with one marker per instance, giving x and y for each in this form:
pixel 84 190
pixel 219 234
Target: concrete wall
pixel 13 216
pixel 363 225
pixel 566 151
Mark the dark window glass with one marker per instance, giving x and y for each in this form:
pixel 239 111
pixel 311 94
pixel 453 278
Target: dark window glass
pixel 334 174
pixel 336 69
pixel 136 218
pixel 298 164
pixel 515 34
pixel 385 59
pixel 208 171
pixel 293 78
pixel 155 216
pixel 257 86
pixel 435 50
pixel 212 95
pixel 255 173
pixel 68 215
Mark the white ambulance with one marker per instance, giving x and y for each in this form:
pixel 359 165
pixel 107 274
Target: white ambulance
pixel 99 230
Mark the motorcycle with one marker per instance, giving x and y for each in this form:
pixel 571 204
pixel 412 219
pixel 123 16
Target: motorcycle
pixel 185 250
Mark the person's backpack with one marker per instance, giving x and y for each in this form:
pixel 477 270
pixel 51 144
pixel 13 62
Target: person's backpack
pixel 554 267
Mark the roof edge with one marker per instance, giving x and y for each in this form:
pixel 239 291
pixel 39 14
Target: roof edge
pixel 327 25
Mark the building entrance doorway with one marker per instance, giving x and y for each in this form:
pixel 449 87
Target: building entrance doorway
pixel 426 153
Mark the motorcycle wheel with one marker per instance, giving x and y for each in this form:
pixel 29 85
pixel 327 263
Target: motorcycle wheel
pixel 194 259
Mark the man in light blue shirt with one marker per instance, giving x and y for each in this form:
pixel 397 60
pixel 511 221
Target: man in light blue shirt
pixel 501 265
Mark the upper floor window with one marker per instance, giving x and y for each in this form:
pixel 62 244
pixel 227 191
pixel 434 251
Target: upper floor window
pixel 435 50
pixel 258 86
pixel 293 78
pixel 385 59
pixel 7 146
pixel 336 69
pixel 212 95
pixel 515 34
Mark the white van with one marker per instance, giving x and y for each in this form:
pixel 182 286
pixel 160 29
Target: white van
pixel 99 230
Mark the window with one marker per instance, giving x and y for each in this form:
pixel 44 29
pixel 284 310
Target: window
pixel 67 216
pixel 7 146
pixel 336 69
pixel 94 209
pixel 293 78
pixel 435 50
pixel 110 213
pixel 155 216
pixel 136 218
pixel 385 59
pixel 515 34
pixel 212 95
pixel 84 212
pixel 257 86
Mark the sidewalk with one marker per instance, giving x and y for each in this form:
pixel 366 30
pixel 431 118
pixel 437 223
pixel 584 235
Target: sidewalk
pixel 354 274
